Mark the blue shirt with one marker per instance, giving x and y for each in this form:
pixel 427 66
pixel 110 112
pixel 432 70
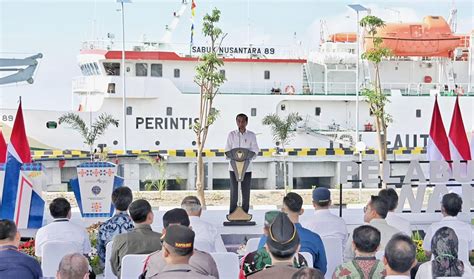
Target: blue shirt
pixel 15 264
pixel 118 224
pixel 310 242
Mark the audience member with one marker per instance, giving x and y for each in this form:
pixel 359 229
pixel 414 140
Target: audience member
pixel 177 250
pixel 142 240
pixel 200 261
pixel 282 243
pixel 13 263
pixel 445 263
pixel 310 241
pixel 308 273
pixel 205 232
pixel 259 259
pixel 392 218
pixel 366 241
pixel 119 223
pixel 451 205
pixel 400 257
pixel 62 229
pixel 324 223
pixel 375 213
pixel 73 266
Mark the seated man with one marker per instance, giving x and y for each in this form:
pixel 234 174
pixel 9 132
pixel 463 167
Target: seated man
pixel 177 251
pixel 324 223
pixel 73 266
pixel 259 259
pixel 310 241
pixel 205 232
pixel 451 205
pixel 13 263
pixel 366 240
pixel 200 261
pixel 400 257
pixel 119 223
pixel 308 273
pixel 282 244
pixel 142 240
pixel 61 229
pixel 375 213
pixel 392 218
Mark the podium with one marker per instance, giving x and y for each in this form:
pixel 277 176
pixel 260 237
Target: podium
pixel 239 161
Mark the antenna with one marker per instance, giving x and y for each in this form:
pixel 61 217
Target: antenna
pixel 453 17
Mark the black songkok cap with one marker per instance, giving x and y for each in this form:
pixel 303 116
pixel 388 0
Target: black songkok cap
pixel 282 234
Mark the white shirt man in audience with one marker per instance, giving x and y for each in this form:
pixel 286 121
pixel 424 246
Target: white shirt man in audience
pixel 400 257
pixel 324 222
pixel 392 218
pixel 207 238
pixel 200 261
pixel 374 214
pixel 73 266
pixel 62 229
pixel 177 251
pixel 451 205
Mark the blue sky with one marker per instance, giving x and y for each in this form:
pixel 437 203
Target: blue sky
pixel 57 28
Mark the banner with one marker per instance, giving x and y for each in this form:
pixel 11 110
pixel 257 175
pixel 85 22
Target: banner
pixel 93 188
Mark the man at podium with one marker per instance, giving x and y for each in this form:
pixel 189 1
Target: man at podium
pixel 241 138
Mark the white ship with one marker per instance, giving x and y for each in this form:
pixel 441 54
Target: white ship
pixel 162 99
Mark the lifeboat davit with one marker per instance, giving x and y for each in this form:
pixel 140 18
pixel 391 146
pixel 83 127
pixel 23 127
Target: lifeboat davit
pixel 349 37
pixel 432 37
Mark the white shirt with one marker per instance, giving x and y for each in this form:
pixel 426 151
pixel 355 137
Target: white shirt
pixel 425 271
pixel 247 139
pixel 397 277
pixel 386 233
pixel 206 234
pixel 463 231
pixel 394 220
pixel 63 230
pixel 327 224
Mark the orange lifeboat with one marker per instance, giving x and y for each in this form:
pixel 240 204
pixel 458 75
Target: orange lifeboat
pixel 432 37
pixel 349 37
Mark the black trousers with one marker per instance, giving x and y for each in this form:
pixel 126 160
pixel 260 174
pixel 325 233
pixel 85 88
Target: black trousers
pixel 234 195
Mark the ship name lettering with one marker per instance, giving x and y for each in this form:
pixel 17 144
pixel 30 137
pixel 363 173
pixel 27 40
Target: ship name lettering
pixel 164 123
pixel 233 50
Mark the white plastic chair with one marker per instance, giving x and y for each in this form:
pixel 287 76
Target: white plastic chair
pixel 108 274
pixel 203 245
pixel 52 254
pixel 252 245
pixel 379 255
pixel 227 264
pixel 132 266
pixel 308 257
pixel 334 257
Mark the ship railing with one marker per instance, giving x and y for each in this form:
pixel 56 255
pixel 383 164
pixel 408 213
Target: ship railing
pixel 256 88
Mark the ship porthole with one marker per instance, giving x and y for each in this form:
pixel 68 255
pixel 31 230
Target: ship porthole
pixel 157 142
pixel 193 143
pixel 115 142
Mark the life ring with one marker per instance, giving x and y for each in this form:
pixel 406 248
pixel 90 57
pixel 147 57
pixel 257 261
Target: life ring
pixel 290 89
pixel 460 91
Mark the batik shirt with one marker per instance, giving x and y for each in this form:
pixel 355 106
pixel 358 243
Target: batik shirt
pixel 118 224
pixel 360 268
pixel 260 259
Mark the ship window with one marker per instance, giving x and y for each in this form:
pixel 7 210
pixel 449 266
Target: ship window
pixel 266 75
pixel 253 112
pixel 169 111
pixel 282 107
pixel 222 73
pixel 112 69
pixel 193 142
pixel 418 113
pixel 318 111
pixel 51 124
pixel 141 69
pixel 156 70
pixel 115 142
pixel 96 67
pixel 176 73
pixel 129 110
pixel 157 142
pixel 111 88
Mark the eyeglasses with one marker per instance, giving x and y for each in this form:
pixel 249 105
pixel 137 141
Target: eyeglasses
pixel 365 208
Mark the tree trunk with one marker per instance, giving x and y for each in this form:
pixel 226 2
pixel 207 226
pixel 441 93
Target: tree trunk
pixel 200 178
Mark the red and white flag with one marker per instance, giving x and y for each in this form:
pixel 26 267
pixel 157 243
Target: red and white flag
pixel 438 144
pixel 458 143
pixel 3 149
